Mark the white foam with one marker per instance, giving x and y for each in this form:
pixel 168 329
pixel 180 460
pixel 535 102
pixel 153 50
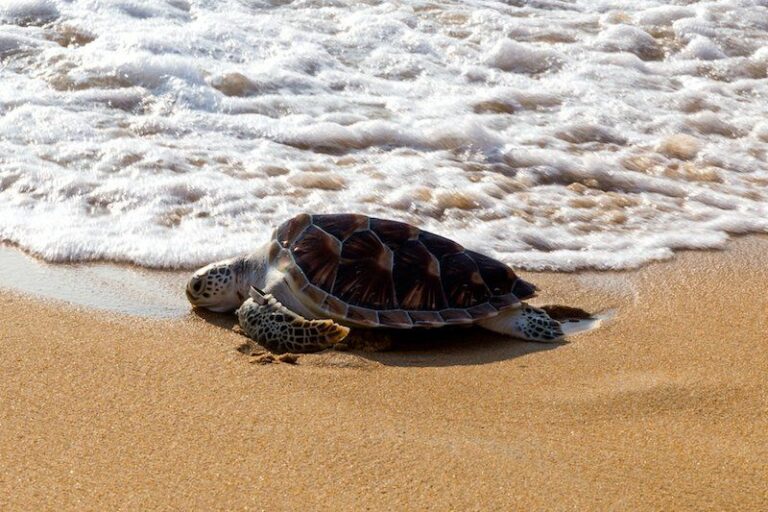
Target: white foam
pixel 28 12
pixel 509 55
pixel 663 15
pixel 13 40
pixel 628 38
pixel 703 48
pixel 687 28
pixel 553 135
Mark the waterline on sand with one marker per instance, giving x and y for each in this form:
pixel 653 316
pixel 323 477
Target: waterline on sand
pixel 120 289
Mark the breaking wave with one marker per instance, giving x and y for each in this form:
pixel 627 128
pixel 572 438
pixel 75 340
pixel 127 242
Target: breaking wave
pixel 550 134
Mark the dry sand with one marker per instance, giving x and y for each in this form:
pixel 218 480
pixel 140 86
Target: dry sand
pixel 665 408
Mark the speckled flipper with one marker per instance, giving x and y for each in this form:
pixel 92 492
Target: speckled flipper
pixel 525 322
pixel 279 329
pixel 535 324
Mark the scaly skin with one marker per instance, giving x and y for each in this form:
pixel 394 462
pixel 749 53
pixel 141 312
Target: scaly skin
pixel 279 329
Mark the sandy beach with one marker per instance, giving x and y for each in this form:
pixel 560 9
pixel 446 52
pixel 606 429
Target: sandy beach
pixel 665 407
pixel 614 152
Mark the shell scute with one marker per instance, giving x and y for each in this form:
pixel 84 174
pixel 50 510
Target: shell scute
pixel 274 252
pixel 342 225
pixel 314 293
pixel 317 254
pixel 394 234
pixel 417 278
pixel 426 318
pixel 288 231
pixel 334 306
pixel 456 316
pixel 395 318
pixel 439 245
pixel 296 276
pixel 365 245
pixel 363 316
pixel 482 311
pixel 364 276
pixel 464 286
pixel 500 279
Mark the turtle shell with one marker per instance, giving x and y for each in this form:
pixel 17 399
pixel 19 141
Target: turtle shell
pixel 383 273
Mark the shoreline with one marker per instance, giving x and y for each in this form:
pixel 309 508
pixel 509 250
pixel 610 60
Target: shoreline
pixel 143 292
pixel 29 276
pixel 661 408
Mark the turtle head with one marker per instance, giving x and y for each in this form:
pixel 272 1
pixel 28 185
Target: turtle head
pixel 219 286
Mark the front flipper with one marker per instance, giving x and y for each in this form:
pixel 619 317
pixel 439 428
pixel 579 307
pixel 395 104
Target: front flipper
pixel 279 329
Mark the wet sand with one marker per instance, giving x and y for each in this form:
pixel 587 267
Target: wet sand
pixel 665 407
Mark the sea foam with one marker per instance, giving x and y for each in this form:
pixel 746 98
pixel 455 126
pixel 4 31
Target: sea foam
pixel 550 134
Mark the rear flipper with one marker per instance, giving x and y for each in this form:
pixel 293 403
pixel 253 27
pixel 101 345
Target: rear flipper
pixel 279 329
pixel 534 324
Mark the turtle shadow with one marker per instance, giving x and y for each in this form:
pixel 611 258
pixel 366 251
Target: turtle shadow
pixel 462 346
pixel 452 346
pixel 226 321
pixel 446 346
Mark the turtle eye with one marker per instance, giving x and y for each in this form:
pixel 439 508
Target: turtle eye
pixel 197 285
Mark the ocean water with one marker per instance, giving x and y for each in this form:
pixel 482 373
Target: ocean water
pixel 552 134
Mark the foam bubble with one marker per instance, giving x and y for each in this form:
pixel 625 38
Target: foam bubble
pixel 28 12
pixel 687 28
pixel 509 55
pixel 15 41
pixel 628 38
pixel 703 48
pixel 680 146
pixel 664 15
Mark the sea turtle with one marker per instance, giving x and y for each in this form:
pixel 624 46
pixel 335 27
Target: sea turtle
pixel 321 274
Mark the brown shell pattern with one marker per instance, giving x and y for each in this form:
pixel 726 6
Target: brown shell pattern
pixel 386 273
